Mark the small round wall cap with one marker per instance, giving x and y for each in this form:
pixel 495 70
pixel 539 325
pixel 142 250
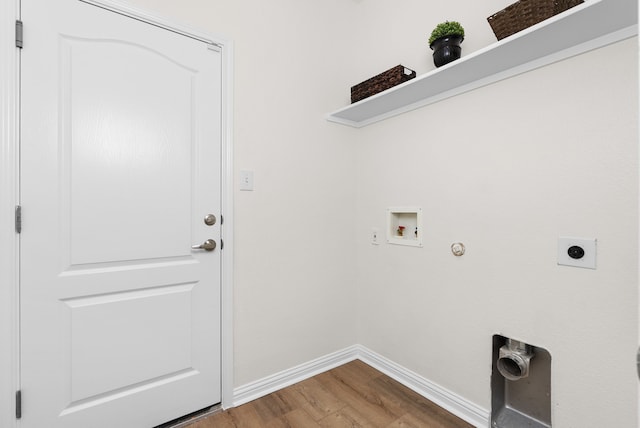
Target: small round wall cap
pixel 457 248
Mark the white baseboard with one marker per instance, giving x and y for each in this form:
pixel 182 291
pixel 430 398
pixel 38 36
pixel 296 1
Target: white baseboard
pixel 269 384
pixel 450 401
pixel 459 406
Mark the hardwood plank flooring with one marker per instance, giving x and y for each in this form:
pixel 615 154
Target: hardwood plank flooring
pixel 352 395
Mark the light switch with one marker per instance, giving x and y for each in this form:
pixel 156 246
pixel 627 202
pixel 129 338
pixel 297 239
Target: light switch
pixel 246 180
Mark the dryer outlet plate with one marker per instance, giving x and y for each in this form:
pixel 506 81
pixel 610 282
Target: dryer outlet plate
pixel 586 260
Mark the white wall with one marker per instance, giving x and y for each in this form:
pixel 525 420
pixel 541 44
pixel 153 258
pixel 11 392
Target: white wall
pixel 506 169
pixel 294 234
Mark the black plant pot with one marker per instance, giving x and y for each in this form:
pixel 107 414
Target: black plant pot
pixel 446 49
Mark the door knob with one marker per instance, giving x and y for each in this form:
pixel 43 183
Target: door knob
pixel 209 219
pixel 208 245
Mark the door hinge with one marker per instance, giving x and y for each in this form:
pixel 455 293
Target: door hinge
pixel 18 219
pixel 19 35
pixel 18 404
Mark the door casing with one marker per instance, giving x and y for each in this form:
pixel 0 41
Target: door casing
pixel 9 189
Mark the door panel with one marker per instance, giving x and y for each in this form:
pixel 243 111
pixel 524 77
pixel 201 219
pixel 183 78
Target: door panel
pixel 114 346
pixel 120 162
pixel 125 156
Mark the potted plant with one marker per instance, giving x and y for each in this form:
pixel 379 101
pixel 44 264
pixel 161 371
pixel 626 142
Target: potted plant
pixel 445 41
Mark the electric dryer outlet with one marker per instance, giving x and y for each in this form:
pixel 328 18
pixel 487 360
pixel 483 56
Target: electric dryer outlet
pixel 577 252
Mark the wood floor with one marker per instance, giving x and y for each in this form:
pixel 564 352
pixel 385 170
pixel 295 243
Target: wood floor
pixel 353 395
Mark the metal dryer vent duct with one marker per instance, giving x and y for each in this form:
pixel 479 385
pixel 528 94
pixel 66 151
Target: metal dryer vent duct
pixel 514 360
pixel 516 403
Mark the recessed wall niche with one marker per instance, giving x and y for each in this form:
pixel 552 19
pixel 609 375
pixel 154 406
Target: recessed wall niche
pixel 404 226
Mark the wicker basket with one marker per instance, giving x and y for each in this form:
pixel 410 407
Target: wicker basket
pixel 381 82
pixel 525 13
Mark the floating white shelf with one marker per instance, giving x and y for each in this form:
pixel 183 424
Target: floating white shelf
pixel 588 26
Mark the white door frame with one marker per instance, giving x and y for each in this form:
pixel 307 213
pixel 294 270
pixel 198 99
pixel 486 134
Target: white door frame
pixel 8 200
pixel 9 197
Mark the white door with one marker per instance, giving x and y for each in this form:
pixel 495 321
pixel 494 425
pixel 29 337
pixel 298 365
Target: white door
pixel 120 163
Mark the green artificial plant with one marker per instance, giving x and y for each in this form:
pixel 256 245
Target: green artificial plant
pixel 444 29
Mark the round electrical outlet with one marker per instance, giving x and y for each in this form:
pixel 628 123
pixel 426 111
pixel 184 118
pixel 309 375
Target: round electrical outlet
pixel 575 252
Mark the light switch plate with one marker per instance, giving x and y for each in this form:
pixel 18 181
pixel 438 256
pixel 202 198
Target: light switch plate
pixel 567 244
pixel 246 180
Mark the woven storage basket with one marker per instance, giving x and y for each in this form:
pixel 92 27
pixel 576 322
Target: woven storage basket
pixel 390 78
pixel 525 13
